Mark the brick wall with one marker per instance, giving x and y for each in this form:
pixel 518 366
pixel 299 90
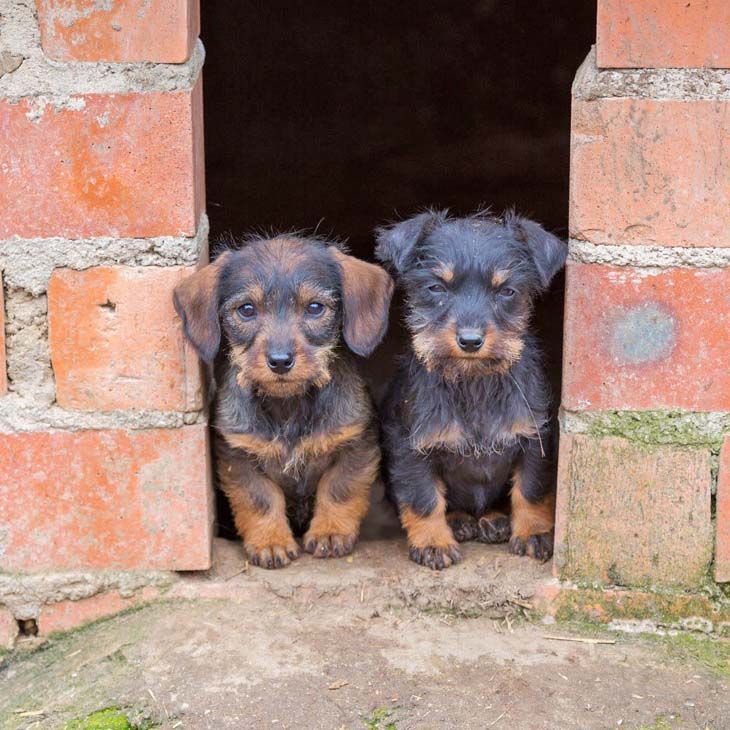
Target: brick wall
pixel 103 456
pixel 646 372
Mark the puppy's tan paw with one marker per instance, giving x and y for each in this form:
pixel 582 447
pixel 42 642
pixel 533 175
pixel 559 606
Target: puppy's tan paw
pixel 272 556
pixel 329 546
pixel 435 557
pixel 539 546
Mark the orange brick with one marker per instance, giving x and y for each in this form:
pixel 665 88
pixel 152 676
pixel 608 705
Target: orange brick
pixel 102 165
pixel 632 515
pixel 66 615
pixel 663 34
pixel 3 364
pixel 722 549
pixel 105 499
pixel 638 339
pixel 654 172
pixel 116 341
pixel 124 30
pixel 8 628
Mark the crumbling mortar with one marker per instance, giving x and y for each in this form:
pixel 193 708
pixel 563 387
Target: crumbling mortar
pixel 23 415
pixel 26 342
pixel 683 84
pixel 24 595
pixel 648 256
pixel 679 428
pixel 56 82
pixel 28 263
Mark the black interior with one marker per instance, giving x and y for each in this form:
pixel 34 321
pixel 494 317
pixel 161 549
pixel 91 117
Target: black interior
pixel 338 116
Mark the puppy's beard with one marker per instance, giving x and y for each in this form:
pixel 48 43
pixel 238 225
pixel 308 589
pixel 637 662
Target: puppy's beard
pixel 310 370
pixel 439 352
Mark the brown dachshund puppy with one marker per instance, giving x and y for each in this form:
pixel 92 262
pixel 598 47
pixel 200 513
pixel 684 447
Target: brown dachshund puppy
pixel 298 447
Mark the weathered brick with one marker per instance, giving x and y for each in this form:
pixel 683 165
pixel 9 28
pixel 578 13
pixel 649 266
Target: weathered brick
pixel 105 499
pixel 3 363
pixel 121 31
pixel 650 172
pixel 95 165
pixel 631 514
pixel 639 339
pixel 722 515
pixel 568 602
pixel 663 34
pixel 116 341
pixel 8 628
pixel 66 615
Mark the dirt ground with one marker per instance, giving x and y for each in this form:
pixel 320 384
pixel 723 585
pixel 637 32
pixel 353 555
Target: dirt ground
pixel 363 644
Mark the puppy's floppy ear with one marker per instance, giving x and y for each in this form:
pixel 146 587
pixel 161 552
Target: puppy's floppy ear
pixel 548 251
pixel 366 293
pixel 397 243
pixel 196 301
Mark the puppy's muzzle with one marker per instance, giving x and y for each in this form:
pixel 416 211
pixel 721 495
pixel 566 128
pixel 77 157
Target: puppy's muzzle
pixel 470 340
pixel 280 361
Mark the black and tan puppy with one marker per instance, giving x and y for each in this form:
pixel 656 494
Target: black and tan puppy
pixel 298 446
pixel 466 421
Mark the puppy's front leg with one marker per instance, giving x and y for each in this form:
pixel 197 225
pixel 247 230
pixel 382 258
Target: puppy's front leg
pixel 342 500
pixel 259 511
pixel 533 506
pixel 431 540
pixel 419 496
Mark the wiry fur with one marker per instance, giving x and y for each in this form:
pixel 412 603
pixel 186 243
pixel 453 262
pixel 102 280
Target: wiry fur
pixel 468 429
pixel 297 452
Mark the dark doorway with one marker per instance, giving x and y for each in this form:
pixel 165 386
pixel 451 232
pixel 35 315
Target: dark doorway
pixel 341 116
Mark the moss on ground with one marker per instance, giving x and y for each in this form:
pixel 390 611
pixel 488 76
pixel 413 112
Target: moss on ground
pixel 711 653
pixel 380 719
pixel 110 718
pixel 660 723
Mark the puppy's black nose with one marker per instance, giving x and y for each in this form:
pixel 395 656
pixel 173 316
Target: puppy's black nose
pixel 470 340
pixel 280 362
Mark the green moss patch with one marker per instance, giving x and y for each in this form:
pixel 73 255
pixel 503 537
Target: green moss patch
pixel 111 718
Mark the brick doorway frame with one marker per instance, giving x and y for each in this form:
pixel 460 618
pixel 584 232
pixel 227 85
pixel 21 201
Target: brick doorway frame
pixel 99 382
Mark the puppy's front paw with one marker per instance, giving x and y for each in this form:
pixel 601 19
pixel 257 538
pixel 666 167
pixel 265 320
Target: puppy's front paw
pixel 463 526
pixel 329 546
pixel 272 556
pixel 435 557
pixel 539 546
pixel 494 527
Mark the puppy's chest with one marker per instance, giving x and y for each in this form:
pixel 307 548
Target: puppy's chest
pixel 473 430
pixel 292 454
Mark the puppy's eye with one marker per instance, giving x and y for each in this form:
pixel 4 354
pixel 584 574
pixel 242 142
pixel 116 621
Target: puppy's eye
pixel 437 288
pixel 506 292
pixel 247 311
pixel 314 309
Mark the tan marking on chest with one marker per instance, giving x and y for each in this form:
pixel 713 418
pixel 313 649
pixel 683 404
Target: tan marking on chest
pixel 321 443
pixel 261 448
pixel 308 447
pixel 450 436
pixel 524 428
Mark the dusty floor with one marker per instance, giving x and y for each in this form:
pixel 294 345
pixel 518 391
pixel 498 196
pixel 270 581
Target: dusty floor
pixel 335 646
